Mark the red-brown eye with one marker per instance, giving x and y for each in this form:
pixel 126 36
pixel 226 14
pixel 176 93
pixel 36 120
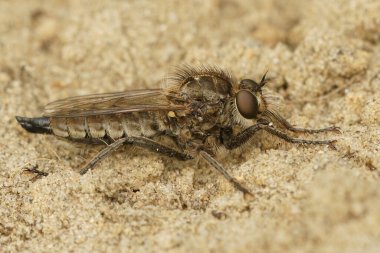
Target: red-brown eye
pixel 247 104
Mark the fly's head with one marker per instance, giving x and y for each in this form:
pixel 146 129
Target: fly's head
pixel 250 103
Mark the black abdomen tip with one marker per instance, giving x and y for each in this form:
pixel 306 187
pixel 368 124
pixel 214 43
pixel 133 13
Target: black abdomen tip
pixel 39 125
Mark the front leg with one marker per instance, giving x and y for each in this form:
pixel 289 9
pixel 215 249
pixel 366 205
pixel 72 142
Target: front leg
pixel 292 128
pixel 231 142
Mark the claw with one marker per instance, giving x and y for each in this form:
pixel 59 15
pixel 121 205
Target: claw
pixel 331 144
pixel 335 129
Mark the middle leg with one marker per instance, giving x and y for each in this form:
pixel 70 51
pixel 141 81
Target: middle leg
pixel 290 139
pixel 220 168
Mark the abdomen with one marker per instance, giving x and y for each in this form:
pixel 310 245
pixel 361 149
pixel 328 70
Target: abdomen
pixel 113 126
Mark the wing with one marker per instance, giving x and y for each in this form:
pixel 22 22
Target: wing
pixel 111 103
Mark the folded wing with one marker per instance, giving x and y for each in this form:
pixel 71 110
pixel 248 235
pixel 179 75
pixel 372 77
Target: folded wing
pixel 112 103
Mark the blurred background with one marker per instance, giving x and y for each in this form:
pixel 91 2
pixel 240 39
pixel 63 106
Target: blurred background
pixel 322 58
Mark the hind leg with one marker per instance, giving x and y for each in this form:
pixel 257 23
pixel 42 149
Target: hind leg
pixel 138 141
pixel 103 154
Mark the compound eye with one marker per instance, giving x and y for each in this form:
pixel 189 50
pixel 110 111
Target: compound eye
pixel 247 104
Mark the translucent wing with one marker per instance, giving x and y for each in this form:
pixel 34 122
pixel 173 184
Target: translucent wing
pixel 111 103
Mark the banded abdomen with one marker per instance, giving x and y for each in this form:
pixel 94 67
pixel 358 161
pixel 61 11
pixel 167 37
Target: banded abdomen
pixel 114 126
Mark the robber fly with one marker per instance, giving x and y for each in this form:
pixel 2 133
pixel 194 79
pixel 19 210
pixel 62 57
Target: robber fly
pixel 203 110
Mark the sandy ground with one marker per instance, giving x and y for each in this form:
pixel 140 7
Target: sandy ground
pixel 323 58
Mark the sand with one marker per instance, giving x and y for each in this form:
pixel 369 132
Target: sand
pixel 323 59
